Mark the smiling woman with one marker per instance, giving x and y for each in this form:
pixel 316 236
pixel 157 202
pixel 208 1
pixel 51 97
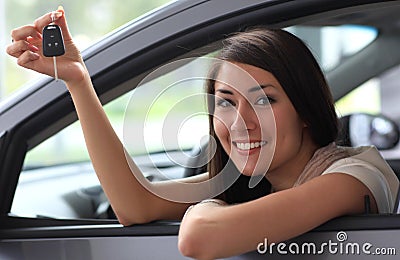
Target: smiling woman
pixel 243 119
pixel 272 118
pixel 306 167
pixel 265 120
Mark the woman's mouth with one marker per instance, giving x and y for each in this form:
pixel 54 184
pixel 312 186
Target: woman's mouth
pixel 246 146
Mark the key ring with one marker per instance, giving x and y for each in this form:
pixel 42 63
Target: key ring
pixel 53 18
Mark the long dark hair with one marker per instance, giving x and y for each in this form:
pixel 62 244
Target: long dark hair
pixel 293 65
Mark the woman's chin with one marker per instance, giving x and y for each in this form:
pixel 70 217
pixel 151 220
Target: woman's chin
pixel 252 172
pixel 251 166
pixel 248 174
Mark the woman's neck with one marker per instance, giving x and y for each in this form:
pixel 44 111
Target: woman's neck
pixel 284 176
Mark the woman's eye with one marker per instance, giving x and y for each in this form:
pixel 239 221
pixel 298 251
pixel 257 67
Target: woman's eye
pixel 265 100
pixel 224 103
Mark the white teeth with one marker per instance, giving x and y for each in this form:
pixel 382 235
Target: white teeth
pixel 248 146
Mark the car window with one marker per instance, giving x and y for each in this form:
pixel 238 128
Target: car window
pixel 378 95
pixel 165 97
pixel 333 44
pixel 355 101
pixel 164 116
pixel 168 112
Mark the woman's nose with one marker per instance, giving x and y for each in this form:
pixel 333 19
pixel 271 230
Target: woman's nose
pixel 245 118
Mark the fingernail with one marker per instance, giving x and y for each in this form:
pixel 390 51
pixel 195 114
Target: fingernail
pixel 38 35
pixel 60 8
pixel 57 14
pixel 33 47
pixel 35 56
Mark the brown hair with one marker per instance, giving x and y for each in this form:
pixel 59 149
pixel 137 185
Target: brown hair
pixel 293 65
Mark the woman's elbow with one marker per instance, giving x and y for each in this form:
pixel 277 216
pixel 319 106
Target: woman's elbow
pixel 193 241
pixel 191 247
pixel 126 222
pixel 186 246
pixel 131 219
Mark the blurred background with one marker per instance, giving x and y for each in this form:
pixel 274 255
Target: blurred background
pixel 88 20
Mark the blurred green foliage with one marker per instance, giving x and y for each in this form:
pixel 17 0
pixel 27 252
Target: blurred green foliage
pixel 88 21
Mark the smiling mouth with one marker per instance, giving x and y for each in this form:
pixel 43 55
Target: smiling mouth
pixel 248 146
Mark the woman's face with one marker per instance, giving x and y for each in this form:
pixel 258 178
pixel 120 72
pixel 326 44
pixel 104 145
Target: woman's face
pixel 253 116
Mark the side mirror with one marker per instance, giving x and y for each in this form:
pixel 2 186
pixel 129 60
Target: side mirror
pixel 368 129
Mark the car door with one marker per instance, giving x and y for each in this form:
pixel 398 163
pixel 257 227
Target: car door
pixel 118 63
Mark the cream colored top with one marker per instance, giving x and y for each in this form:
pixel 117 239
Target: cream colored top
pixel 367 165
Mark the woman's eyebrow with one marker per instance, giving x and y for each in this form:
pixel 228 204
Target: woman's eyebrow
pixel 260 87
pixel 252 89
pixel 224 91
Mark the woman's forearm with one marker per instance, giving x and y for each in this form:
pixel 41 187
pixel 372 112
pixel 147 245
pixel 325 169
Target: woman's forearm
pixel 131 202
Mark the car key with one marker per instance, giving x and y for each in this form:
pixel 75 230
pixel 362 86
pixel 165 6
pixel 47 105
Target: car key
pixel 53 43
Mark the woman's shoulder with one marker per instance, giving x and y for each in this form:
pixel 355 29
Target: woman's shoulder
pixel 368 156
pixel 362 158
pixel 367 164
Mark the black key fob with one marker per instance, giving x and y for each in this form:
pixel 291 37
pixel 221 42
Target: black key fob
pixel 53 43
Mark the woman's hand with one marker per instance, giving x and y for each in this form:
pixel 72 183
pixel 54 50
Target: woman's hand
pixel 27 48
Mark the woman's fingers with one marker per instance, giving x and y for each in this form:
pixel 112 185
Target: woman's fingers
pixel 46 19
pixel 26 59
pixel 27 48
pixel 19 47
pixel 23 39
pixel 23 32
pixel 35 30
pixel 58 17
pixel 62 22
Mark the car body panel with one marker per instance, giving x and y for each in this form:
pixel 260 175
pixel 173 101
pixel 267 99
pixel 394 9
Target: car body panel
pixel 122 245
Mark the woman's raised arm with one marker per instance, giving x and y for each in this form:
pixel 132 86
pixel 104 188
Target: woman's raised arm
pixel 131 202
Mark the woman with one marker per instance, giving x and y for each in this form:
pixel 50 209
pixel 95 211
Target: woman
pixel 307 178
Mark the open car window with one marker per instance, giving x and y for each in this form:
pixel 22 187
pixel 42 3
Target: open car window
pixel 164 117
